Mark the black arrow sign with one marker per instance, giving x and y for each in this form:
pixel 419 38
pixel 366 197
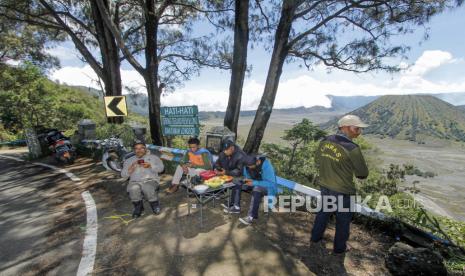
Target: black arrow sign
pixel 113 106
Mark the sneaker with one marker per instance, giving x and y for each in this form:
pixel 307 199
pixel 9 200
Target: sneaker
pixel 246 220
pixel 225 206
pixel 156 209
pixel 232 210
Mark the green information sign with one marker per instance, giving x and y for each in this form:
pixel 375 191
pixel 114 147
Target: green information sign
pixel 180 120
pixel 181 130
pixel 179 111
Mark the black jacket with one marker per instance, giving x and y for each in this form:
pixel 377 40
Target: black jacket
pixel 231 164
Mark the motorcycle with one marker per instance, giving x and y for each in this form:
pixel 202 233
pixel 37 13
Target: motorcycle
pixel 114 153
pixel 60 146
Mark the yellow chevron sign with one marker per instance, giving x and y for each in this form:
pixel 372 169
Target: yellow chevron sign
pixel 115 106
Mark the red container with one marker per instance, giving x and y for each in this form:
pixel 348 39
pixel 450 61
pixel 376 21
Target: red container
pixel 207 175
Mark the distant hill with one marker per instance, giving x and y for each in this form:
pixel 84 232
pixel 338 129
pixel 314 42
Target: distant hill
pixel 138 103
pixel 411 117
pixel 298 111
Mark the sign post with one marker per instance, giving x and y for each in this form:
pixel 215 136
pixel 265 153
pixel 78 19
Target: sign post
pixel 115 106
pixel 180 120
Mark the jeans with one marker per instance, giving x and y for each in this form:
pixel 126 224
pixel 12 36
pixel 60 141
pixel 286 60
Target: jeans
pixel 343 220
pixel 236 191
pixel 257 194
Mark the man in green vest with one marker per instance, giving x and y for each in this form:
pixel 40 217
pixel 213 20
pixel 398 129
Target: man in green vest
pixel 338 160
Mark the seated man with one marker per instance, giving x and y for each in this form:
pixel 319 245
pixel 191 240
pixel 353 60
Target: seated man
pixel 230 162
pixel 195 161
pixel 260 177
pixel 142 170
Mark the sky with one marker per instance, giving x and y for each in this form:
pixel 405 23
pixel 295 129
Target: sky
pixel 436 65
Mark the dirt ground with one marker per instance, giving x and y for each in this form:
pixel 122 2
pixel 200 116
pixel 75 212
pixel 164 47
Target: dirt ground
pixel 174 244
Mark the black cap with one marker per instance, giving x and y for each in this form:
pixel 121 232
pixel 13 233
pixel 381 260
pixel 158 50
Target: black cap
pixel 250 160
pixel 227 144
pixel 138 142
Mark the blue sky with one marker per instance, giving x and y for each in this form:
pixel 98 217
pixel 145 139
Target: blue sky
pixel 437 65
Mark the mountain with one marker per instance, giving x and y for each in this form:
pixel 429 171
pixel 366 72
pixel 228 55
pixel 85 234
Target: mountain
pixel 411 117
pixel 298 111
pixel 138 103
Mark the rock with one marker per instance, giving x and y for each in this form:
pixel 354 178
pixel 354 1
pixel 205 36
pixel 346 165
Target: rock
pixel 403 259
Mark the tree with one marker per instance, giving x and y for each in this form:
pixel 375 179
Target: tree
pixel 239 64
pixel 20 41
pixel 302 133
pixel 82 22
pixel 351 35
pixel 25 102
pixel 161 32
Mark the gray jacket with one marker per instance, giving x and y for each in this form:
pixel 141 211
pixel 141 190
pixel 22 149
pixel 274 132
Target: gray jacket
pixel 141 174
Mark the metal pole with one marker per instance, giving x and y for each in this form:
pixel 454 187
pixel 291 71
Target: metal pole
pixel 201 210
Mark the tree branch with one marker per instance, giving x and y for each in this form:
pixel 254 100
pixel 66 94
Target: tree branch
pixel 119 40
pixel 79 44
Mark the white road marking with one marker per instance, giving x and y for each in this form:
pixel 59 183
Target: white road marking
pixel 68 174
pixel 89 248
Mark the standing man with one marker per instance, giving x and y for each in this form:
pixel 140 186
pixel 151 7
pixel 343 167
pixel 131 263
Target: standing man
pixel 194 162
pixel 339 159
pixel 142 170
pixel 230 162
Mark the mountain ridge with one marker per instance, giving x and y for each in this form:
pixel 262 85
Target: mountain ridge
pixel 411 117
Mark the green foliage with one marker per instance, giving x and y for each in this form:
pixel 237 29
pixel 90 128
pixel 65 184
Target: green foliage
pixel 304 169
pixel 123 131
pixel 23 41
pixel 296 163
pixel 304 132
pixel 28 98
pixel 411 169
pixel 380 183
pixel 6 135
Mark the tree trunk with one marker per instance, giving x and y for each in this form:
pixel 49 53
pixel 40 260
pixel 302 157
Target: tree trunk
pixel 291 160
pixel 151 74
pixel 239 66
pixel 109 52
pixel 280 51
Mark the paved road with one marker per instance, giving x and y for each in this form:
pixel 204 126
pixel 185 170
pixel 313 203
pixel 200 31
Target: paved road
pixel 27 221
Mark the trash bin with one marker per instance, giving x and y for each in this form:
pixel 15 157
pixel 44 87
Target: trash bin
pixel 216 136
pixel 86 130
pixel 139 133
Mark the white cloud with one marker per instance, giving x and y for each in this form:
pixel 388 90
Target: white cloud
pixel 304 89
pixel 428 61
pixel 85 76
